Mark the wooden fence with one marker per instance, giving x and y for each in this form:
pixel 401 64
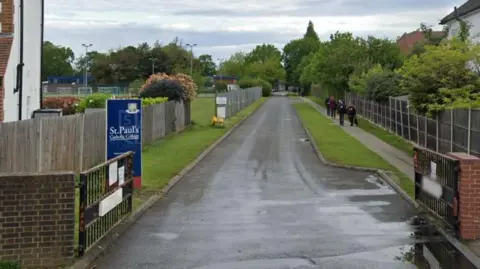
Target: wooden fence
pixel 76 142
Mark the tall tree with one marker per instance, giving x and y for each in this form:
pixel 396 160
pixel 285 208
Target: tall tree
pixel 311 32
pixel 263 53
pixel 57 60
pixel 295 50
pixel 207 66
pixel 234 66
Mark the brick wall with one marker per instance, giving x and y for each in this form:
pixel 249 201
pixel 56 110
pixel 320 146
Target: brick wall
pixel 469 196
pixel 407 41
pixel 6 19
pixel 5 48
pixel 6 16
pixel 37 219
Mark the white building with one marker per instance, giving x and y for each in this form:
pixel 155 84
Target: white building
pixel 469 12
pixel 11 53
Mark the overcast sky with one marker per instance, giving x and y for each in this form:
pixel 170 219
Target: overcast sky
pixel 222 27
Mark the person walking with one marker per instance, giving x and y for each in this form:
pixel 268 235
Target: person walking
pixel 351 113
pixel 342 109
pixel 327 105
pixel 333 106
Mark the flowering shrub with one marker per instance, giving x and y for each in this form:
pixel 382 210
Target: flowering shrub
pixel 164 88
pixel 96 100
pixel 184 80
pixel 68 104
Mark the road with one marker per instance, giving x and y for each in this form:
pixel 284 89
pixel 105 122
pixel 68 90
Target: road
pixel 263 200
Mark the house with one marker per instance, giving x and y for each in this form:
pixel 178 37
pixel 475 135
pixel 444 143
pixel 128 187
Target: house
pixel 225 79
pixel 408 40
pixel 20 40
pixel 468 12
pixel 67 85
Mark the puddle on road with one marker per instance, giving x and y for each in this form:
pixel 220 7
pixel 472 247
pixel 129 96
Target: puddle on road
pixel 433 251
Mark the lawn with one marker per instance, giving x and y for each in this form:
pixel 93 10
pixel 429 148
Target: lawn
pixel 292 94
pixel 339 147
pixel 382 134
pixel 318 101
pixel 165 158
pixel 203 109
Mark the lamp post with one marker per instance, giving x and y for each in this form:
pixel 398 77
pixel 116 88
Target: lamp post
pixel 85 82
pixel 220 61
pixel 153 65
pixel 191 57
pixel 114 68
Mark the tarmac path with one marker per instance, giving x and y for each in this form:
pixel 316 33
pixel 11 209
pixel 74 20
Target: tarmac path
pixel 262 199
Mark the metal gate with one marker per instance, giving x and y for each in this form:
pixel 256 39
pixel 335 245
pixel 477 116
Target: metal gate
pixel 105 199
pixel 436 184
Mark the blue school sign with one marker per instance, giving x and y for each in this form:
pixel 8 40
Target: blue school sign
pixel 124 132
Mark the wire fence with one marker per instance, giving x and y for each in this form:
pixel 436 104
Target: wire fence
pixel 240 99
pixel 56 90
pixel 448 131
pixel 455 130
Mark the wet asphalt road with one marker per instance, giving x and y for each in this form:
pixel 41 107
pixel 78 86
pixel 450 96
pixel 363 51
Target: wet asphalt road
pixel 262 199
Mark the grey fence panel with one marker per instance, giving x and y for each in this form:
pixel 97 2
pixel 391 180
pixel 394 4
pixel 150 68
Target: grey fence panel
pixel 460 130
pixel 475 133
pixel 414 128
pixel 445 131
pixel 431 134
pixel 240 99
pixel 452 130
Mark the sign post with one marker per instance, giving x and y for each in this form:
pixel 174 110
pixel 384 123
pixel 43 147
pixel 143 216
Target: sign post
pixel 124 133
pixel 221 102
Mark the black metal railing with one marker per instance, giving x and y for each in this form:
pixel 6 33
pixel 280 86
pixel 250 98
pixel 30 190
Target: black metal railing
pixel 105 199
pixel 437 190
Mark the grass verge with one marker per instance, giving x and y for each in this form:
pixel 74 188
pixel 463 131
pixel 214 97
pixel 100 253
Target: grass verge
pixel 387 137
pixel 339 147
pixel 382 134
pixel 165 158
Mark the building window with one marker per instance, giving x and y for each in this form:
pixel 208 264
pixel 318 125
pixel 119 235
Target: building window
pixel 453 32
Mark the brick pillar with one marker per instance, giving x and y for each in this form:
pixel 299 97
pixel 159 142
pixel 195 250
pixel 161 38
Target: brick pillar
pixel 469 195
pixel 37 219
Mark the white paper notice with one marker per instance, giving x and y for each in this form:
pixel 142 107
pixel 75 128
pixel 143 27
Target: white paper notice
pixel 221 112
pixel 112 173
pixel 433 170
pixel 432 187
pixel 121 175
pixel 221 100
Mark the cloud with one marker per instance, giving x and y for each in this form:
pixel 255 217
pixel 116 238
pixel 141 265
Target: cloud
pixel 222 27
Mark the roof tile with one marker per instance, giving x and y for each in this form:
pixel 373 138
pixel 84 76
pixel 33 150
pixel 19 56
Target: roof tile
pixel 469 6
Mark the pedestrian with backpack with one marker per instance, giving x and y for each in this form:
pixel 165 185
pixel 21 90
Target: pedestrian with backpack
pixel 333 106
pixel 327 105
pixel 352 115
pixel 342 109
